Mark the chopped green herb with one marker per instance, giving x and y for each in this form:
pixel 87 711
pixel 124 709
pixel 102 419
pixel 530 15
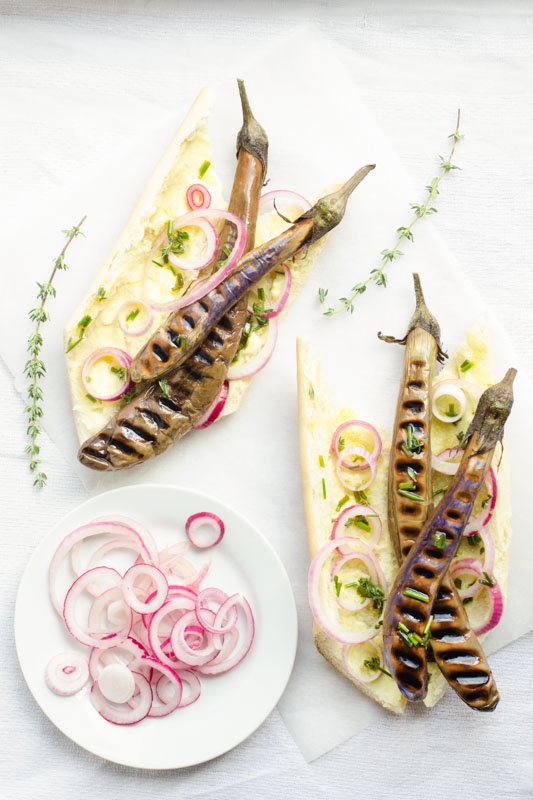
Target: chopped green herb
pixel 488 580
pixel 91 398
pixel 342 502
pixel 374 665
pixel 414 638
pixel 410 495
pixel 261 294
pixel 474 539
pixel 358 520
pixel 429 623
pixel 120 372
pixel 402 627
pixel 438 491
pixel 416 595
pixel 407 485
pixel 412 474
pixel 170 227
pixel 311 392
pixel 485 502
pixel 461 439
pixel 458 583
pixel 405 639
pixel 340 444
pixel 324 488
pixel 127 396
pixel 414 445
pixel 71 344
pixel 466 365
pixel 405 450
pixel 440 539
pixel 131 316
pixel 338 585
pixel 158 263
pixel 451 411
pixel 203 169
pixel 101 293
pixel 163 386
pixel 84 321
pixel 467 600
pixel 379 624
pixel 366 588
pixel 361 497
pixel 179 282
pixel 321 461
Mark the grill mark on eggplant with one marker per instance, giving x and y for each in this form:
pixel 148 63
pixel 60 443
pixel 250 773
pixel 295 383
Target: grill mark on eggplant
pixel 139 433
pixel 214 338
pixel 482 436
pixel 203 356
pixel 423 338
pixel 187 322
pixel 151 416
pixel 160 353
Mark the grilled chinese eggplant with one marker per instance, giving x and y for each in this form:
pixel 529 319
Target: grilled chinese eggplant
pixel 410 501
pixel 414 596
pixel 165 410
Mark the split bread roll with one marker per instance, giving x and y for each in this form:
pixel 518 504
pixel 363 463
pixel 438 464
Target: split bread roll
pixel 121 276
pixel 319 416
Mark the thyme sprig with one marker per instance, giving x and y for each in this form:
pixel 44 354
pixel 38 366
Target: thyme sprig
pixel 378 275
pixel 34 368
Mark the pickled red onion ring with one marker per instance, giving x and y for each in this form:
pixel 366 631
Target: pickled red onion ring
pixel 215 409
pixel 447 389
pixel 67 673
pixel 157 598
pixel 374 521
pixel 129 306
pixel 370 563
pixel 495 609
pixel 121 358
pixel 364 679
pixel 357 423
pixel 239 371
pixel 198 196
pixel 125 714
pixel 204 520
pixel 370 464
pixel 467 566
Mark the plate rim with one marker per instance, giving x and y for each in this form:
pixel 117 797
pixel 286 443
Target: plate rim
pixel 199 494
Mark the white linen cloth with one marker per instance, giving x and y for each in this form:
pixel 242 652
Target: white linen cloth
pixel 269 760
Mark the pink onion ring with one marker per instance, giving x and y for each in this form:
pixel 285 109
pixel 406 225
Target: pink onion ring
pixel 266 203
pixel 168 675
pixel 201 288
pixel 185 653
pixel 220 597
pixel 356 423
pixel 130 649
pixel 205 258
pixel 198 196
pixel 193 681
pixel 215 409
pixel 239 371
pixel 121 358
pixel 220 665
pixel 122 317
pixel 158 580
pixel 371 465
pixel 467 566
pixel 374 521
pixel 374 675
pixel 320 611
pixel 102 639
pixel 204 519
pixel 124 714
pixel 369 561
pixel 488 556
pixel 180 604
pixel 495 610
pixel 67 673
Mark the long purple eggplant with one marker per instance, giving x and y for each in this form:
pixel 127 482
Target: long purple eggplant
pixel 410 604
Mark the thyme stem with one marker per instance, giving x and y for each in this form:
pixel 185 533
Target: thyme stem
pixel 34 368
pixel 379 275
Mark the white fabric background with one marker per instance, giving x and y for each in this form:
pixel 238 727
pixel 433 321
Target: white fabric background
pixel 65 67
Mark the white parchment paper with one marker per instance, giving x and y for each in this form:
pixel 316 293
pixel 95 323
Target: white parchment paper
pixel 319 134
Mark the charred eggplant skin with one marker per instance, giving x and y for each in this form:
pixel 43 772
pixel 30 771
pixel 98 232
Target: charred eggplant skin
pixel 163 351
pixel 426 564
pixel 153 419
pixel 453 641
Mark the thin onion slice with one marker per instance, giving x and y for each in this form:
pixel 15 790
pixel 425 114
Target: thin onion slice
pixel 102 638
pixel 495 609
pixel 196 526
pixel 205 258
pixel 442 463
pixel 212 593
pixel 198 196
pixel 121 358
pixel 256 363
pixel 125 714
pixel 215 409
pixel 374 675
pixel 158 580
pixel 128 326
pixel 183 651
pixel 193 682
pixel 374 521
pixel 201 288
pixel 320 612
pixel 219 664
pixel 370 464
pixel 356 423
pixel 370 563
pixel 67 673
pixel 275 308
pixel 471 567
pixel 446 389
pixel 267 201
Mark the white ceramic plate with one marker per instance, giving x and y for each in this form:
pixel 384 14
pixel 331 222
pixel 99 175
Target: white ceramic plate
pixel 232 705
